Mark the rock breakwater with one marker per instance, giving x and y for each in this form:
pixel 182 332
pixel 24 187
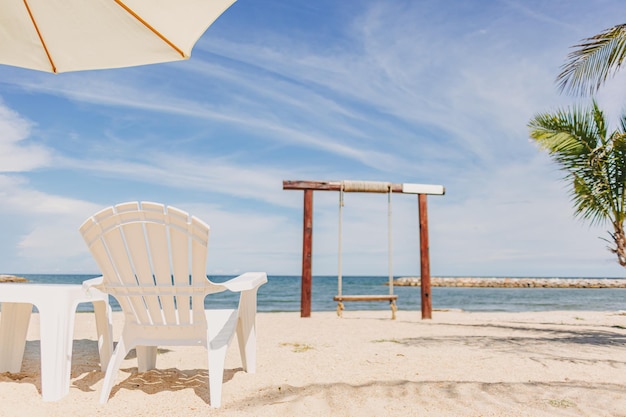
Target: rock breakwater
pixel 515 282
pixel 12 278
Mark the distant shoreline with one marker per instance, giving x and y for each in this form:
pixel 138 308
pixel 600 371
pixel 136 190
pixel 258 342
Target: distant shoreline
pixel 515 282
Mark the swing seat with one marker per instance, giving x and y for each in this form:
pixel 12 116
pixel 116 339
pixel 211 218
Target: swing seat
pixel 389 297
pixel 342 298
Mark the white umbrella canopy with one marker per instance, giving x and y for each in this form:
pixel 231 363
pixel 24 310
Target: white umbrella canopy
pixel 75 35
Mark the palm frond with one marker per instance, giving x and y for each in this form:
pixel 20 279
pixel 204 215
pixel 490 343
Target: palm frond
pixel 593 61
pixel 599 122
pixel 592 200
pixel 593 162
pixel 623 124
pixel 568 134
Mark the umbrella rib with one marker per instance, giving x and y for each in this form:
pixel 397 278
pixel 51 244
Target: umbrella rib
pixel 43 43
pixel 147 25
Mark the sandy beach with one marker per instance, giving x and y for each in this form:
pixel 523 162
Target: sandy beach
pixel 457 364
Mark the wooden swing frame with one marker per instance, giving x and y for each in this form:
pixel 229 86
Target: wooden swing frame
pixel 422 190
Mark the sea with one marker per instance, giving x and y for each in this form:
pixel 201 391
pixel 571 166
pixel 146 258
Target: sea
pixel 282 293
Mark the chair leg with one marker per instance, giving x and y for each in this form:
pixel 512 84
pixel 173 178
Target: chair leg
pixel 217 358
pixel 13 330
pixel 104 328
pixel 221 326
pixel 246 330
pixel 121 350
pixel 246 338
pixel 146 358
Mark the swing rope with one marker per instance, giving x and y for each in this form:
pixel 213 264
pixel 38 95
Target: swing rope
pixel 389 242
pixel 339 261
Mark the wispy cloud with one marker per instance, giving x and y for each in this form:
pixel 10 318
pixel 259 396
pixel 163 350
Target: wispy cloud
pixel 16 153
pixel 44 228
pixel 201 174
pixel 455 97
pixel 552 18
pixel 310 130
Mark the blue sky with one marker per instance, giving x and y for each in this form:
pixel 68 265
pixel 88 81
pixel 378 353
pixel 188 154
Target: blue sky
pixel 435 92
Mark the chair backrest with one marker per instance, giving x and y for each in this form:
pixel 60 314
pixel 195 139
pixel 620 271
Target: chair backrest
pixel 153 260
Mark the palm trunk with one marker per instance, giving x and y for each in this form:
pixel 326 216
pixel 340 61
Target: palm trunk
pixel 619 237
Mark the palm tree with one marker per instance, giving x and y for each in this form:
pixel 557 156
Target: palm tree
pixel 593 61
pixel 593 161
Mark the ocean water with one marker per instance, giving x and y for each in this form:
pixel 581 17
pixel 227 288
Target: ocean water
pixel 282 293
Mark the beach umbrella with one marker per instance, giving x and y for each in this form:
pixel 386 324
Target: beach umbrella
pixel 75 35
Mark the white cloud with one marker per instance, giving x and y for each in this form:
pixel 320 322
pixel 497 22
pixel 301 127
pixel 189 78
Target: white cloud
pixel 520 219
pixel 46 235
pixel 16 154
pixel 301 126
pixel 246 181
pixel 244 239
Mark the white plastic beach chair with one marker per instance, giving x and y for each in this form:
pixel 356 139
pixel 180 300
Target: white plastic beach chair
pixel 153 261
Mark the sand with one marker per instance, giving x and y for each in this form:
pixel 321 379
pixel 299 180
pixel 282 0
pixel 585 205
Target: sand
pixel 457 364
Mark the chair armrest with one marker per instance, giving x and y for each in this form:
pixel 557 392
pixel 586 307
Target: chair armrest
pixel 93 283
pixel 245 282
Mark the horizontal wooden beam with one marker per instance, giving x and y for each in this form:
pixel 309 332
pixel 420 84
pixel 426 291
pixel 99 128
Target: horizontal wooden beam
pixel 363 187
pixel 312 185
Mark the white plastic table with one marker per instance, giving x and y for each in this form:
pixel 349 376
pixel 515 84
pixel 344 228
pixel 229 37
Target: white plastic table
pixel 57 306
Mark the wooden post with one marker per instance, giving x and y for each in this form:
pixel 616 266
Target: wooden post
pixel 427 307
pixel 307 247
